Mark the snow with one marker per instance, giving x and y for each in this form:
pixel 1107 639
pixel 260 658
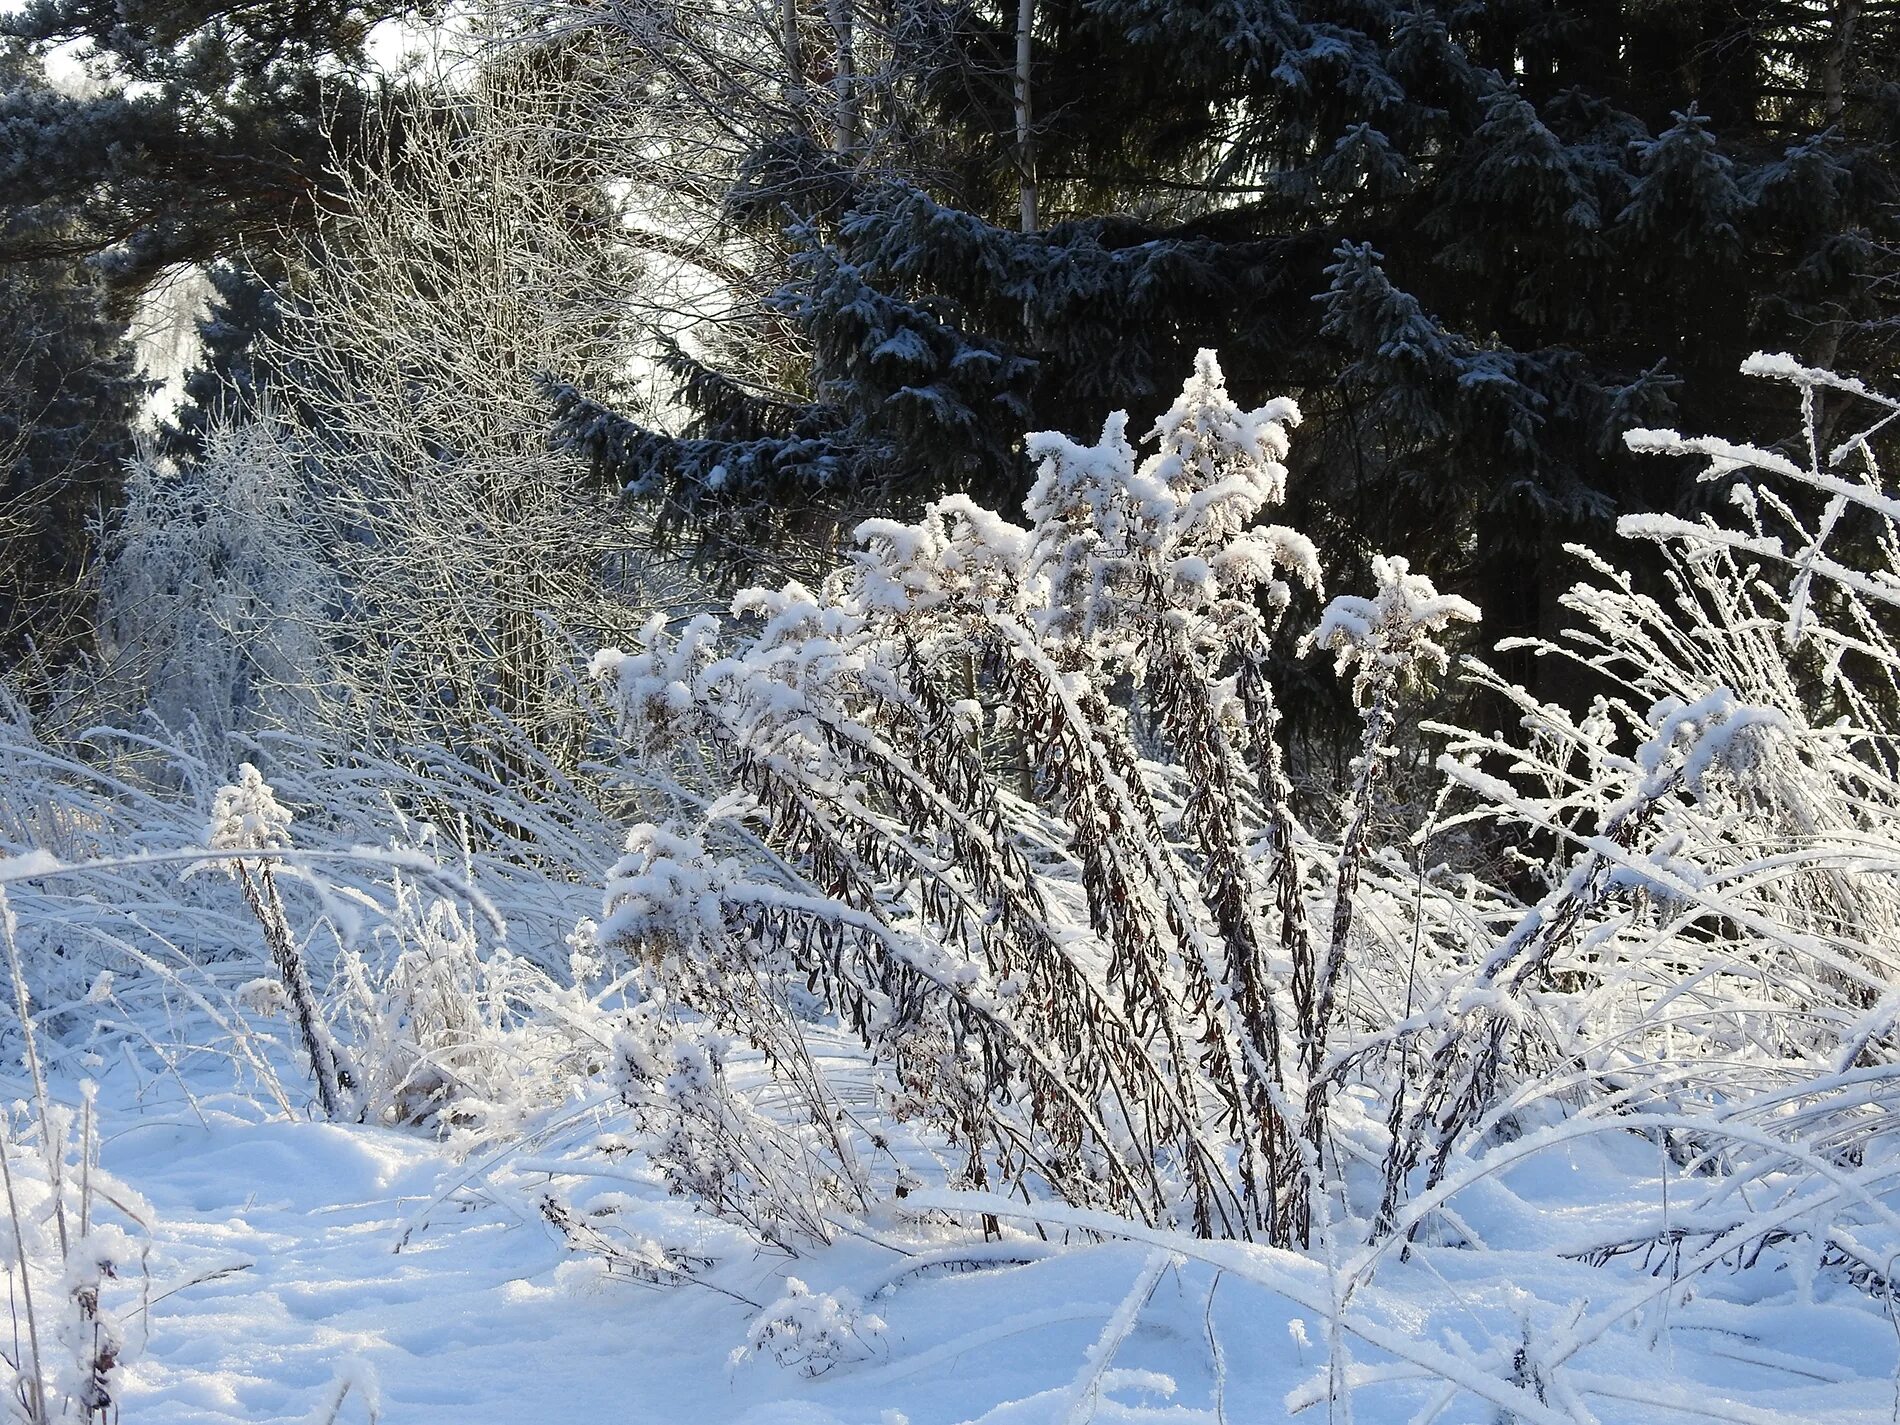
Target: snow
pixel 285 1258
pixel 480 1317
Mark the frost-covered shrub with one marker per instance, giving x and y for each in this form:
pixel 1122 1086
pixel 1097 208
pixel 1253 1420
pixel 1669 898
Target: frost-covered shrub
pixel 470 1042
pixel 815 1332
pixel 70 1269
pixel 217 590
pixel 1107 988
pixel 708 1141
pixel 427 1031
pixel 1715 960
pixel 1122 971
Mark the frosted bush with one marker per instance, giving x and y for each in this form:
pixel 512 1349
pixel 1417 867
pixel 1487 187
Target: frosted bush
pixel 71 1270
pixel 427 1031
pixel 669 1070
pixel 467 1039
pixel 1083 991
pixel 1130 975
pixel 815 1332
pixel 1714 962
pixel 215 588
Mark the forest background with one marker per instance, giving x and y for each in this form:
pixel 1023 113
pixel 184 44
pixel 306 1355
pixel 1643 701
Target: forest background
pixel 621 592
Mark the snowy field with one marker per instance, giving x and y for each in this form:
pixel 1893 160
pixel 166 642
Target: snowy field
pixel 287 1259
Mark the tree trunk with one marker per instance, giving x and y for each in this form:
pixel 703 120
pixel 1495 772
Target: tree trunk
pixel 1025 148
pixel 1842 20
pixel 794 59
pixel 844 120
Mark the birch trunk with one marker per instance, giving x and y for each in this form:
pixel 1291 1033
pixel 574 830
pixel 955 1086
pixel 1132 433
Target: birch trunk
pixel 1025 147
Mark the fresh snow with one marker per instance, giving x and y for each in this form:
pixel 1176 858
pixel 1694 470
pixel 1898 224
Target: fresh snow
pixel 289 1259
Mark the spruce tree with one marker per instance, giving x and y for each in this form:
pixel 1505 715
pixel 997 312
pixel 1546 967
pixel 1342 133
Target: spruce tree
pixel 206 128
pixel 231 372
pixel 1478 240
pixel 69 393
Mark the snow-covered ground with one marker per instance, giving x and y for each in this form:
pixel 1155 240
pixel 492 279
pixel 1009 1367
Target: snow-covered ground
pixel 287 1259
